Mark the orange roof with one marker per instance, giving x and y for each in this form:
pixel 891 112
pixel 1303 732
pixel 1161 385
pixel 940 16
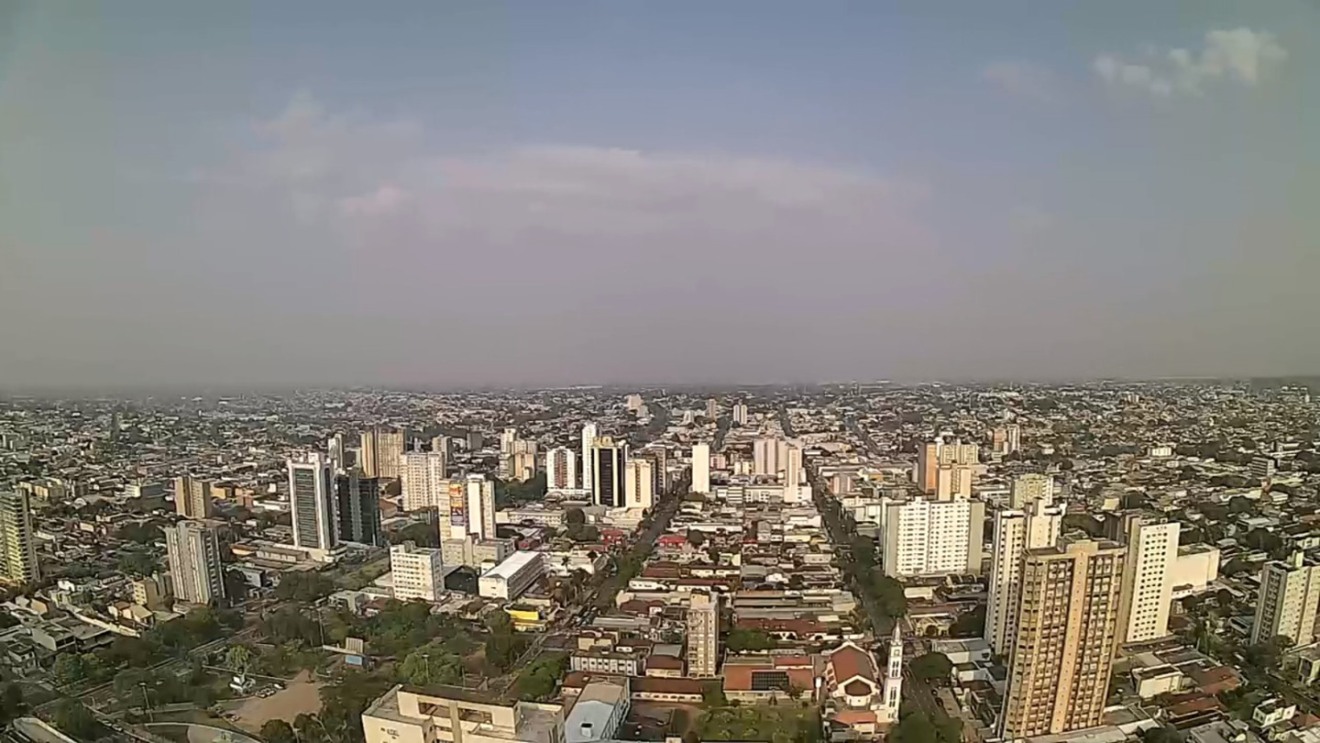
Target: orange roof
pixel 854 716
pixel 857 688
pixel 790 661
pixel 664 662
pixel 850 661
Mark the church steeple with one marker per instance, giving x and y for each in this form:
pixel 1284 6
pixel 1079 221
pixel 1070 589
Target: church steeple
pixel 894 677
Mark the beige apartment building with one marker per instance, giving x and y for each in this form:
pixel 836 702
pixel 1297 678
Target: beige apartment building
pixel 1067 635
pixel 1289 592
pixel 192 498
pixel 703 635
pixel 446 714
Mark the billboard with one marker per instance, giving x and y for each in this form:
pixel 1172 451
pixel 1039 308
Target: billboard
pixel 458 504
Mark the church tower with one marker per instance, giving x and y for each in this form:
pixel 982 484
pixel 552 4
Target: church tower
pixel 893 691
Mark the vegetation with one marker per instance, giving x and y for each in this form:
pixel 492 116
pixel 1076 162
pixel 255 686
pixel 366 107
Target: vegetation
pixel 278 731
pixel 933 667
pixel 304 587
pixel 539 680
pixel 76 721
pixel 169 639
pixel 969 623
pixel 776 724
pixel 916 727
pixel 423 534
pixel 512 492
pixel 12 703
pixel 741 640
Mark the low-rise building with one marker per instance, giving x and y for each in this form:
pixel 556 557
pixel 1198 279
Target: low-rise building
pixel 511 578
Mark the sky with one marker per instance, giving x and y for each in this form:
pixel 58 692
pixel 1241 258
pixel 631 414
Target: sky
pixel 749 191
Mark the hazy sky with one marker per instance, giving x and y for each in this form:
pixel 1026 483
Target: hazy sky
pixel 687 191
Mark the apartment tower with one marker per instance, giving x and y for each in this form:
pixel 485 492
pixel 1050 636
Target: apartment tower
pixel 194 556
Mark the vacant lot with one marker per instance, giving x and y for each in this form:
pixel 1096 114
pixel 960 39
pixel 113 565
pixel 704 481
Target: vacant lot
pixel 302 695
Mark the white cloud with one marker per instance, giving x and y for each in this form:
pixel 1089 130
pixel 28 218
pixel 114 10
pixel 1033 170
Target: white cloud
pixel 393 174
pixel 1238 56
pixel 1021 78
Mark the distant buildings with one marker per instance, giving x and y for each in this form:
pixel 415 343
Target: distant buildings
pixel 417 572
pixel 312 504
pixel 192 498
pixel 1067 637
pixel 769 456
pixel 701 468
pixel 1029 488
pixel 608 459
pixel 18 546
pixel 193 552
pixel 424 481
pixel 1289 593
pixel 703 634
pixel 740 414
pixel 946 469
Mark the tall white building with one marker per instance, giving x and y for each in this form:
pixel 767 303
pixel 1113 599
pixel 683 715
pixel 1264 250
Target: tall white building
pixel 740 414
pixel 312 503
pixel 929 537
pixel 423 477
pixel 701 468
pixel 589 433
pixel 18 544
pixel 1289 593
pixel 639 483
pixel 1015 532
pixel 1030 488
pixel 1152 552
pixel 475 512
pixel 417 572
pixel 194 556
pixel 560 469
pixel 769 456
pixel 703 634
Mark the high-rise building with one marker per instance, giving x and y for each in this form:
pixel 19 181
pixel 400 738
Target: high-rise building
pixel 522 462
pixel 194 556
pixel 1147 583
pixel 701 468
pixel 1068 634
pixel 660 455
pixel 769 455
pixel 423 480
pixel 1006 439
pixel 953 482
pixel 507 438
pixel 589 433
pixel 1262 468
pixel 922 536
pixel 608 459
pixel 338 451
pixel 312 503
pixel 703 634
pixel 18 544
pixel 560 469
pixel 357 503
pixel 417 572
pixel 1286 605
pixel 933 454
pixel 1015 532
pixel 1030 488
pixel 471 509
pixel 192 497
pixel 381 450
pixel 639 483
pixel 712 408
pixel 740 414
pixel 443 445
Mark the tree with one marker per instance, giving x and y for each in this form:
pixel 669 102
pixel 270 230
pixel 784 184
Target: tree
pixel 539 680
pixel 75 721
pixel 306 587
pixel 239 659
pixel 278 731
pixel 891 597
pixel 423 534
pixel 695 538
pixel 574 516
pixel 431 664
pixel 12 703
pixel 931 667
pixel 741 640
pixel 1263 539
pixel 914 727
pixel 969 623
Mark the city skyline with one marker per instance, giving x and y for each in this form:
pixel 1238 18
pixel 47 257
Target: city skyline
pixel 452 196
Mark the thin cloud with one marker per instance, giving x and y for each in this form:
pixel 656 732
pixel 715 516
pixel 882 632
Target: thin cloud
pixel 1023 79
pixel 1238 56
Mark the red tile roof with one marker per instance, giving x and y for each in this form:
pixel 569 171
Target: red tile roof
pixel 850 661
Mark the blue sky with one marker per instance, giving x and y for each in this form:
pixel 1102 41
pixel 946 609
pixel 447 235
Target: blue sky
pixel 457 193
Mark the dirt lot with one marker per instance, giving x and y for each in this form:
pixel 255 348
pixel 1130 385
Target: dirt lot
pixel 301 695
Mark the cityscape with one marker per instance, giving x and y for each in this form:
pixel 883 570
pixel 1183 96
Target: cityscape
pixel 848 562
pixel 659 371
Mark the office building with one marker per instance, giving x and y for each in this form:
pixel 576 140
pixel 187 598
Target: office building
pixel 511 578
pixel 1029 488
pixel 443 445
pixel 441 714
pixel 357 504
pixel 608 459
pixel 1067 636
pixel 416 573
pixel 477 553
pixel 1015 532
pixel 1286 605
pixel 701 468
pixel 589 433
pixel 712 408
pixel 381 452
pixel 703 634
pixel 312 503
pixel 560 469
pixel 922 537
pixel 1148 582
pixel 660 456
pixel 194 557
pixel 424 480
pixel 192 498
pixel 740 414
pixel 639 483
pixel 471 509
pixel 338 451
pixel 951 454
pixel 1263 468
pixel 18 545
